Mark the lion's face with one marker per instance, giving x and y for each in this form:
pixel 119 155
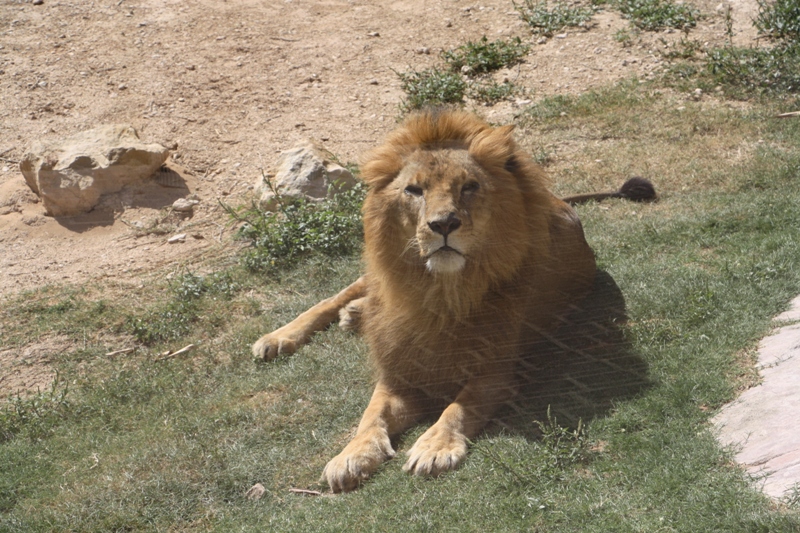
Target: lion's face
pixel 443 196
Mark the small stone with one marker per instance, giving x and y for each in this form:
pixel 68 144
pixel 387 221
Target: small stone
pixel 373 34
pixel 373 82
pixel 423 50
pixel 561 36
pixel 256 492
pixel 184 205
pixel 37 2
pixel 122 87
pixel 542 40
pixel 177 238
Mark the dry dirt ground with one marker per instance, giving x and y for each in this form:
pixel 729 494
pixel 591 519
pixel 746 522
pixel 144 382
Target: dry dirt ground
pixel 230 84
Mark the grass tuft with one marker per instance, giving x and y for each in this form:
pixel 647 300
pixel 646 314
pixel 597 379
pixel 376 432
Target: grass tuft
pixel 656 15
pixel 548 20
pixel 299 229
pixel 483 56
pixel 779 19
pixel 431 87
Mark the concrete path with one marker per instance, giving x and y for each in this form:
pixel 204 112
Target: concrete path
pixel 764 422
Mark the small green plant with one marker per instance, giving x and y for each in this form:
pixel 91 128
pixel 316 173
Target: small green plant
pixel 484 56
pixel 36 415
pixel 624 37
pixel 655 15
pixel 551 458
pixel 779 19
pixel 491 92
pixel 174 319
pixel 685 49
pixel 431 87
pixel 301 228
pixel 546 20
pixel 747 71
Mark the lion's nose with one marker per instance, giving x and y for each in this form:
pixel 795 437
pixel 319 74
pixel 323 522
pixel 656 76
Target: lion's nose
pixel 445 225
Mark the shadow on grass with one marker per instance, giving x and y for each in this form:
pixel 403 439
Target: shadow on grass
pixel 581 370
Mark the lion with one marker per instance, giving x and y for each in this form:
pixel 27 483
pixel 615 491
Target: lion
pixel 468 259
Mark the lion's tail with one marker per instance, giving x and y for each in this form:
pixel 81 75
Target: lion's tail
pixel 635 189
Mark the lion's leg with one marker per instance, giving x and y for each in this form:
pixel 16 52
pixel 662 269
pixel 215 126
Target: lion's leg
pixel 388 414
pixel 298 332
pixel 350 315
pixel 444 445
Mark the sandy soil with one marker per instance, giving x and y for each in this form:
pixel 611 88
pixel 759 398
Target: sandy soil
pixel 230 84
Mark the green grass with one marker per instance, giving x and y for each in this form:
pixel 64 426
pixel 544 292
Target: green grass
pixel 468 74
pixel 745 72
pixel 778 19
pixel 655 15
pixel 299 229
pixel 483 56
pixel 549 18
pixel 141 442
pixel 431 87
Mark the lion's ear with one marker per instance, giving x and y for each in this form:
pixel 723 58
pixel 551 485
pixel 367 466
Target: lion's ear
pixel 494 147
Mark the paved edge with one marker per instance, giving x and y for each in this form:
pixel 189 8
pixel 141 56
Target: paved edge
pixel 761 424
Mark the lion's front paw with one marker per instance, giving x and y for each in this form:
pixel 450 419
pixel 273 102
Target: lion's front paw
pixel 437 450
pixel 359 460
pixel 350 315
pixel 272 345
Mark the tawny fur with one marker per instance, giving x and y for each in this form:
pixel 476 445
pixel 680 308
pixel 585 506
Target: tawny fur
pixel 468 256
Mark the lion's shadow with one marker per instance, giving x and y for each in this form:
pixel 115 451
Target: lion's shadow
pixel 581 370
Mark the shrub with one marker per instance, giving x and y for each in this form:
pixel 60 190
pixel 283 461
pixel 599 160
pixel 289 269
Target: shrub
pixel 779 19
pixel 485 56
pixel 431 87
pixel 547 21
pixel 301 228
pixel 655 15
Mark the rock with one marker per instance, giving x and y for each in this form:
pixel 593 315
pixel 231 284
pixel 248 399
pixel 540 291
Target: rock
pixel 177 238
pixel 184 205
pixel 303 172
pixel 71 175
pixel 256 492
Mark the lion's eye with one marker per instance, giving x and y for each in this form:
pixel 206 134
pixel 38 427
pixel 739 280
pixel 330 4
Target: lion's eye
pixel 413 190
pixel 470 187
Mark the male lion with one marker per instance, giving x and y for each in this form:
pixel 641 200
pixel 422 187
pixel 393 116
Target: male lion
pixel 468 258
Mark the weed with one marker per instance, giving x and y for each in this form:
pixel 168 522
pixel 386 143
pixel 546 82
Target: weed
pixel 491 92
pixel 37 415
pixel 623 36
pixel 655 15
pixel 169 321
pixel 431 87
pixel 558 449
pixel 749 71
pixel 545 20
pixel 779 19
pixel 331 227
pixel 484 56
pixel 685 49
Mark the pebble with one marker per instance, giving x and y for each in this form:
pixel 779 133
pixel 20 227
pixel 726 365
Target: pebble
pixel 177 238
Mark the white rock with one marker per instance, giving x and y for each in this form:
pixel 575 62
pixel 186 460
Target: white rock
pixel 184 205
pixel 303 172
pixel 177 238
pixel 71 175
